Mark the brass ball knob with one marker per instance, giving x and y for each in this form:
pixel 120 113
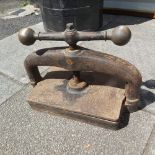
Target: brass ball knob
pixel 26 36
pixel 121 35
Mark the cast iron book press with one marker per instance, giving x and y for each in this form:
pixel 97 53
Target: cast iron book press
pixel 83 84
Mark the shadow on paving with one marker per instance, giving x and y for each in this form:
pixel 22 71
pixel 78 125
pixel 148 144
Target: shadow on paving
pixel 147 97
pixel 124 20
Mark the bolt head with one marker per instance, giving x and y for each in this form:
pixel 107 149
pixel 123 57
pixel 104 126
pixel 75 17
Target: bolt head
pixel 26 36
pixel 121 35
pixel 70 26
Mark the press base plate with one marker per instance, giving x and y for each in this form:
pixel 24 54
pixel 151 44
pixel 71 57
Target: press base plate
pixel 99 104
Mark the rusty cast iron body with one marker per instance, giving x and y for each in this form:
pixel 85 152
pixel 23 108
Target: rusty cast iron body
pixel 76 59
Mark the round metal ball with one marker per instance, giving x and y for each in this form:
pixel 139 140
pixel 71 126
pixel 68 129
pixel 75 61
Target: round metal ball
pixel 121 35
pixel 26 36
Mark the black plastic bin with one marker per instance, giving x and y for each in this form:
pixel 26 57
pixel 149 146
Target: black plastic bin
pixel 85 14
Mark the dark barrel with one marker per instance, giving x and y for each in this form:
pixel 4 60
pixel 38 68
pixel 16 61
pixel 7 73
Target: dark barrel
pixel 85 14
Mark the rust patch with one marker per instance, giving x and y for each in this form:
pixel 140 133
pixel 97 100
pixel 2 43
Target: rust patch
pixel 69 61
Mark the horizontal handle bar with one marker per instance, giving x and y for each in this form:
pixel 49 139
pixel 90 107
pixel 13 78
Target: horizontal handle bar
pixel 119 36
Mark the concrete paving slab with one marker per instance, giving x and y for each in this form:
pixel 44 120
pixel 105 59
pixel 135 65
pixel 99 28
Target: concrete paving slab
pixel 24 131
pixel 7 88
pixel 11 26
pixel 13 54
pixel 150 147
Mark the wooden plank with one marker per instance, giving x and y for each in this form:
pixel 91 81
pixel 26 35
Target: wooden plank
pixel 135 5
pixel 98 102
pixel 129 12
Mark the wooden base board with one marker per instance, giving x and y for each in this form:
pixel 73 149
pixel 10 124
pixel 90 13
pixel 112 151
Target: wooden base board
pixel 97 104
pixel 129 12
